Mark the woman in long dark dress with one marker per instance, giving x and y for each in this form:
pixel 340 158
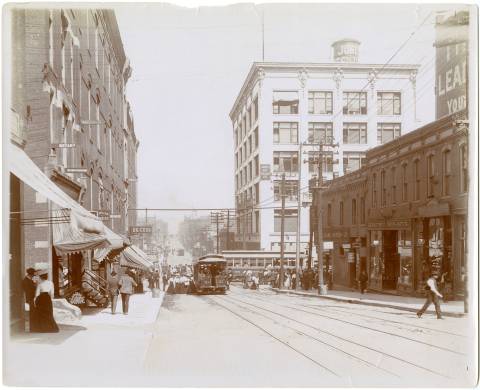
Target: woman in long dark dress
pixel 44 321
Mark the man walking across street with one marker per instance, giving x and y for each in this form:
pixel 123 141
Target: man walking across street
pixel 432 296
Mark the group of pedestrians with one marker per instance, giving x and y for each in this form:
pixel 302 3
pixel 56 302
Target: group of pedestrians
pixel 38 295
pixel 123 286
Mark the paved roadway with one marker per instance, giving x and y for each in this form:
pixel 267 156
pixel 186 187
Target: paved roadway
pixel 259 338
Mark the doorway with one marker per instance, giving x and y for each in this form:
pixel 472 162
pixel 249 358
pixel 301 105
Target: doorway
pixel 391 260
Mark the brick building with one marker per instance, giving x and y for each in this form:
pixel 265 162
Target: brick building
pixel 404 214
pixel 69 72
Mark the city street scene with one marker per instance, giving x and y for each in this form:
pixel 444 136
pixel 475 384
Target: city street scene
pixel 240 195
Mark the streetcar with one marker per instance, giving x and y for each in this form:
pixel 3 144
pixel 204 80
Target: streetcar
pixel 210 274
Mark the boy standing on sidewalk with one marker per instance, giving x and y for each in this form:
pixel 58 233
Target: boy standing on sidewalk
pixel 432 296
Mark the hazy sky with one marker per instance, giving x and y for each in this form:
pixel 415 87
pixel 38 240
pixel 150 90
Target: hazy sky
pixel 189 65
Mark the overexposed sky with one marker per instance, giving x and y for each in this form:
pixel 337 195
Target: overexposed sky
pixel 190 63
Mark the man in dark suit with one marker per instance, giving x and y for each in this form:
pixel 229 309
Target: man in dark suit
pixel 29 287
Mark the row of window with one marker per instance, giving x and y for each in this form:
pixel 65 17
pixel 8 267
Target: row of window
pixel 353 133
pixel 247 149
pixel 445 171
pixel 321 102
pixel 246 122
pixel 357 212
pixel 248 173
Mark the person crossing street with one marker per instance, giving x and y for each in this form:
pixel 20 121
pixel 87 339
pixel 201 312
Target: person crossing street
pixel 432 296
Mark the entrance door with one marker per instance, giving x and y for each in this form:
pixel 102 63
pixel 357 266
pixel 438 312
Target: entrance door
pixel 391 260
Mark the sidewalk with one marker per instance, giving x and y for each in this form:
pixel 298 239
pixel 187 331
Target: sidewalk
pixel 449 309
pixel 100 350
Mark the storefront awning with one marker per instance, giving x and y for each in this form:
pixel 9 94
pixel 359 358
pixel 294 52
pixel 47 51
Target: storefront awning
pixel 74 228
pixel 132 257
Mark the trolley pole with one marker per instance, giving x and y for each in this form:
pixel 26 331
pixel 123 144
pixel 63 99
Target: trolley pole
pixel 282 230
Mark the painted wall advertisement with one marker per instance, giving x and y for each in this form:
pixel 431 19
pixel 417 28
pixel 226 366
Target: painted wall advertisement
pixel 451 62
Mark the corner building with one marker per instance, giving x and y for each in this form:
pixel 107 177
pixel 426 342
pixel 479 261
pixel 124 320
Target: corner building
pixel 284 110
pixel 404 214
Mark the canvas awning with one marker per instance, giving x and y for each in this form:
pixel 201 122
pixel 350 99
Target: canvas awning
pixel 134 257
pixel 74 228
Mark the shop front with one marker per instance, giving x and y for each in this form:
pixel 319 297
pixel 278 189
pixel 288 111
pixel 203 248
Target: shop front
pixel 341 259
pixel 390 261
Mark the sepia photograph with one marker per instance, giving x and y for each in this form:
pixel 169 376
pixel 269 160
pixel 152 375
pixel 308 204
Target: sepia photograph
pixel 241 195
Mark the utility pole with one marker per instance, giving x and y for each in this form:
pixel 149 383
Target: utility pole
pixel 299 204
pixel 215 218
pixel 228 230
pixel 282 230
pixel 244 224
pixel 319 230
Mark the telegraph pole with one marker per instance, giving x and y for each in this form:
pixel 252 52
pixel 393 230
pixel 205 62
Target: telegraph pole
pixel 299 203
pixel 319 230
pixel 282 230
pixel 228 230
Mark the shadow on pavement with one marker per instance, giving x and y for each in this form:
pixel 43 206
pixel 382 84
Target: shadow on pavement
pixel 66 331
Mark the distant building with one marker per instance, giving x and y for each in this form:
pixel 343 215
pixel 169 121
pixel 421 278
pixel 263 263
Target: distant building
pixel 283 105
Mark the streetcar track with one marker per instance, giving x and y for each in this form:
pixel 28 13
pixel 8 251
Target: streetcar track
pixel 370 364
pixel 347 340
pixel 366 327
pixel 316 307
pixel 276 338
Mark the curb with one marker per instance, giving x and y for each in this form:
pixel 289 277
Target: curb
pixel 366 303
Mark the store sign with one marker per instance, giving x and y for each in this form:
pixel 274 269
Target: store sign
pixel 391 224
pixel 140 229
pixel 327 245
pixel 76 170
pixel 63 146
pixel 451 63
pixel 346 246
pixel 351 257
pixel 265 172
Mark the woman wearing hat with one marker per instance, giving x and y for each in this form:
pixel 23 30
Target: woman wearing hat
pixel 45 323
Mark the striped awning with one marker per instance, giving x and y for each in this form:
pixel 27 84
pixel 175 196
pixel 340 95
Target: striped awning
pixel 74 228
pixel 134 257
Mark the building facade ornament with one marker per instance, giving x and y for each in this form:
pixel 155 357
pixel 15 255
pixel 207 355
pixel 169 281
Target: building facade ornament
pixel 413 78
pixel 372 78
pixel 338 77
pixel 303 77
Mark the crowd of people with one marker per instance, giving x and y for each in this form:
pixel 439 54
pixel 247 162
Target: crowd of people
pixel 307 279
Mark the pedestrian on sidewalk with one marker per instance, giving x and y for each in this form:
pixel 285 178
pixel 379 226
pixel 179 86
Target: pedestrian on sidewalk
pixel 29 286
pixel 164 281
pixel 432 296
pixel 294 281
pixel 113 284
pixel 45 323
pixel 126 289
pixel 363 281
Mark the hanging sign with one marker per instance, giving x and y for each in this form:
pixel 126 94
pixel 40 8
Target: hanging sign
pixel 265 172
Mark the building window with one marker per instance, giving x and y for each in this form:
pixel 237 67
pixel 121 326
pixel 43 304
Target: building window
pixel 464 168
pixel 341 212
pixel 255 110
pixel 416 176
pixel 320 102
pixel 255 137
pixel 285 132
pixel 285 102
pixel 290 220
pixel 354 211
pixel 404 183
pixel 355 103
pixel 320 132
pixel 257 166
pixel 394 185
pixel 329 215
pixel 362 210
pixel 353 161
pixel 374 191
pixel 285 162
pixel 291 190
pixel 430 176
pixel 327 161
pixel 354 133
pixel 383 195
pixel 387 132
pixel 447 171
pixel 257 194
pixel 388 103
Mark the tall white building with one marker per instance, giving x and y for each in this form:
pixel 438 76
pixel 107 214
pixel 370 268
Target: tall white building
pixel 285 108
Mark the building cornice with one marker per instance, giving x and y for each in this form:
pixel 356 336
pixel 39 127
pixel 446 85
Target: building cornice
pixel 258 69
